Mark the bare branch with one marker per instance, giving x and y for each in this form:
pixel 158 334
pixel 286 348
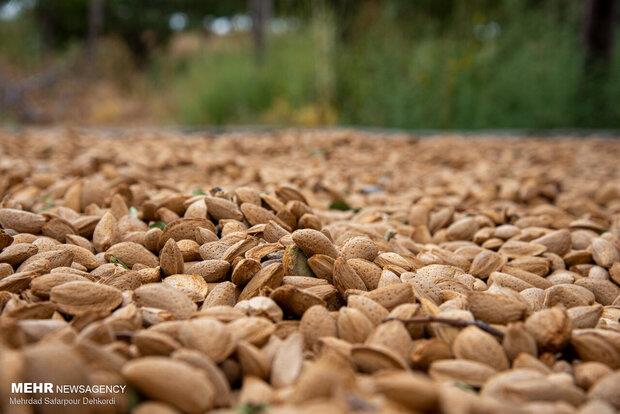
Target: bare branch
pixel 461 323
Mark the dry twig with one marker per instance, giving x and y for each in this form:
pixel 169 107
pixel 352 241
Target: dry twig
pixel 461 323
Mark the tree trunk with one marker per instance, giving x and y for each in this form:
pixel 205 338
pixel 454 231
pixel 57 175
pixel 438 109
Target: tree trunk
pixel 593 109
pixel 598 32
pixel 260 12
pixel 95 25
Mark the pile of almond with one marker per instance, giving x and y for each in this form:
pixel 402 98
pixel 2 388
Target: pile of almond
pixel 315 271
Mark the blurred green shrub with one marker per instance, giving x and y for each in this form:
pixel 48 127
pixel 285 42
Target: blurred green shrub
pixel 520 72
pixel 20 44
pixel 519 67
pixel 399 63
pixel 225 86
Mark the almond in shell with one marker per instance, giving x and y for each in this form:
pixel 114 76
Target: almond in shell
pixel 171 258
pixel 256 330
pixel 244 271
pixel 604 252
pixel 208 336
pixel 314 242
pixel 550 327
pixel 485 263
pixel 373 311
pixel 316 323
pixel 376 357
pixel 253 361
pixel 210 270
pixel 193 286
pixel 269 276
pixel 518 340
pixel 288 361
pixel 470 372
pixel 131 253
pixel 366 270
pixel 392 335
pixel 295 301
pixel 494 308
pixel 16 253
pixel 323 266
pixel 360 248
pixel 295 262
pixel 42 285
pixel 474 344
pixel 414 391
pixel 219 382
pixel 597 345
pixel 171 381
pixel 607 389
pixel 166 297
pixel 220 208
pixel 568 295
pixel 106 232
pixel 558 242
pixel 392 295
pixel 222 294
pixel 605 291
pixel 21 221
pixel 154 343
pixel 514 248
pixel 345 277
pixel 258 215
pixel 79 297
pixel 353 325
pixel 587 373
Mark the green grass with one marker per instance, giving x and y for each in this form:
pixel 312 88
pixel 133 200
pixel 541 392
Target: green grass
pixel 227 86
pixel 20 45
pixel 528 76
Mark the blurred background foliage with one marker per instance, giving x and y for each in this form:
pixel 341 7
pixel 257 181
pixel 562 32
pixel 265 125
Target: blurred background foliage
pixel 418 64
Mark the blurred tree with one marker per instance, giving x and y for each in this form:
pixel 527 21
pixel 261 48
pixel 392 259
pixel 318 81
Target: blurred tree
pixel 598 24
pixel 599 16
pixel 142 24
pixel 260 12
pixel 95 25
